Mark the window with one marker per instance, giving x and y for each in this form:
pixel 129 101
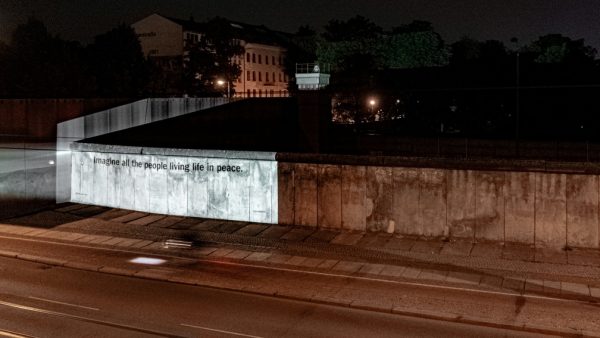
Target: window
pixel 253 92
pixel 260 92
pixel 280 60
pixel 280 77
pixel 247 75
pixel 248 93
pixel 247 57
pixel 259 58
pixel 267 76
pixel 253 76
pixel 273 77
pixel 259 76
pixel 253 58
pixel 266 59
pixel 273 60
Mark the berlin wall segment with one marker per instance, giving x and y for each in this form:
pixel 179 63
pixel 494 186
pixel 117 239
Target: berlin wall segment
pixel 212 184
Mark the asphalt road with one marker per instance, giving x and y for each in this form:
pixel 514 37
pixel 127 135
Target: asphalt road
pixel 44 301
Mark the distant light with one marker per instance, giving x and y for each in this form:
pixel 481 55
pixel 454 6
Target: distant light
pixel 220 82
pixel 51 162
pixel 147 261
pixel 372 102
pixel 398 101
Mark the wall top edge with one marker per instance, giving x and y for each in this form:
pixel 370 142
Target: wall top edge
pixel 211 153
pixel 480 164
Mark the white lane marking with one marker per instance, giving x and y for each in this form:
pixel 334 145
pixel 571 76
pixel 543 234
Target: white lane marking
pixel 63 303
pixel 305 272
pixel 221 331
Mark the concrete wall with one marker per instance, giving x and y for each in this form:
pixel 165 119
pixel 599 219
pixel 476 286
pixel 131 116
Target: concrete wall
pixel 118 118
pixel 177 182
pixel 538 208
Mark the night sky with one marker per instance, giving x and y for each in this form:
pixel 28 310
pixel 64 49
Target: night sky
pixel 480 19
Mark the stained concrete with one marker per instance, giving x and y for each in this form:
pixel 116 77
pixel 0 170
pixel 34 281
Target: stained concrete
pixel 406 190
pixel 461 203
pixel 305 194
pixel 286 193
pixel 489 208
pixel 379 198
pixel 519 207
pixel 582 211
pixel 550 210
pixel 354 194
pixel 432 202
pixel 329 196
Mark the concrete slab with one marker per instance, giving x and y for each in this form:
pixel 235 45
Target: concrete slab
pixel 322 236
pixel 221 252
pixel 129 217
pixel 286 192
pixel 400 243
pixel 298 234
pixel 305 194
pixel 574 289
pixel 461 203
pixel 295 260
pixel 147 219
pixel 432 202
pixel 258 256
pixel 464 278
pixel 406 191
pixel 311 262
pixel 112 213
pixel 206 225
pixel 274 232
pixel 379 199
pixel 518 252
pixel 433 275
pixel 374 240
pixel 277 258
pixel 329 201
pixel 347 266
pixel 552 287
pixel 551 256
pixel 487 250
pixel 372 269
pixel 354 195
pixel 582 211
pixel 89 211
pixel 491 281
pixel 166 222
pixel 229 227
pixel 412 273
pixel 328 264
pixel 489 206
pixel 550 210
pixel 427 247
pixel 392 270
pixel 534 285
pixel 513 284
pixel 251 229
pixel 239 254
pixel 519 207
pixel 583 257
pixel 347 238
pixel 457 248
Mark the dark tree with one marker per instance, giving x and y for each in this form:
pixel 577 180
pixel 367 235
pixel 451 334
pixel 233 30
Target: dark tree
pixel 415 26
pixel 210 59
pixel 118 64
pixel 356 28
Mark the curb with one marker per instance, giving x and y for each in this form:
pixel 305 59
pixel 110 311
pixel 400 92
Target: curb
pixel 433 315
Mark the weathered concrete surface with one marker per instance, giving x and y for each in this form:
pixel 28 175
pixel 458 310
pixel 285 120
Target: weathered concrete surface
pixel 354 195
pixel 329 196
pixel 519 204
pixel 582 211
pixel 379 198
pixel 550 210
pixel 489 207
pixel 405 211
pixel 305 194
pixel 286 193
pixel 461 203
pixel 226 188
pixel 432 202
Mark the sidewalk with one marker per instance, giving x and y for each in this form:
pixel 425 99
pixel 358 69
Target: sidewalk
pixel 510 268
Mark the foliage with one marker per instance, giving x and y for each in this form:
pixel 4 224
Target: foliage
pixel 413 50
pixel 209 60
pixel 556 48
pixel 118 64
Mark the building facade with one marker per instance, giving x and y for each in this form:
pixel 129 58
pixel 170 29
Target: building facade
pixel 262 65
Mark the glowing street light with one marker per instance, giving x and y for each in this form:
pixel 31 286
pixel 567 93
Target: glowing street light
pixel 222 83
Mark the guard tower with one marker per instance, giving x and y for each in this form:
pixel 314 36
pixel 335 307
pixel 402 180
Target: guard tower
pixel 312 76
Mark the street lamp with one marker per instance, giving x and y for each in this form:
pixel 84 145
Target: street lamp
pixel 221 83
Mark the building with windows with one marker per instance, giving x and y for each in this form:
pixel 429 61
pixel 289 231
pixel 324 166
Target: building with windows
pixel 263 72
